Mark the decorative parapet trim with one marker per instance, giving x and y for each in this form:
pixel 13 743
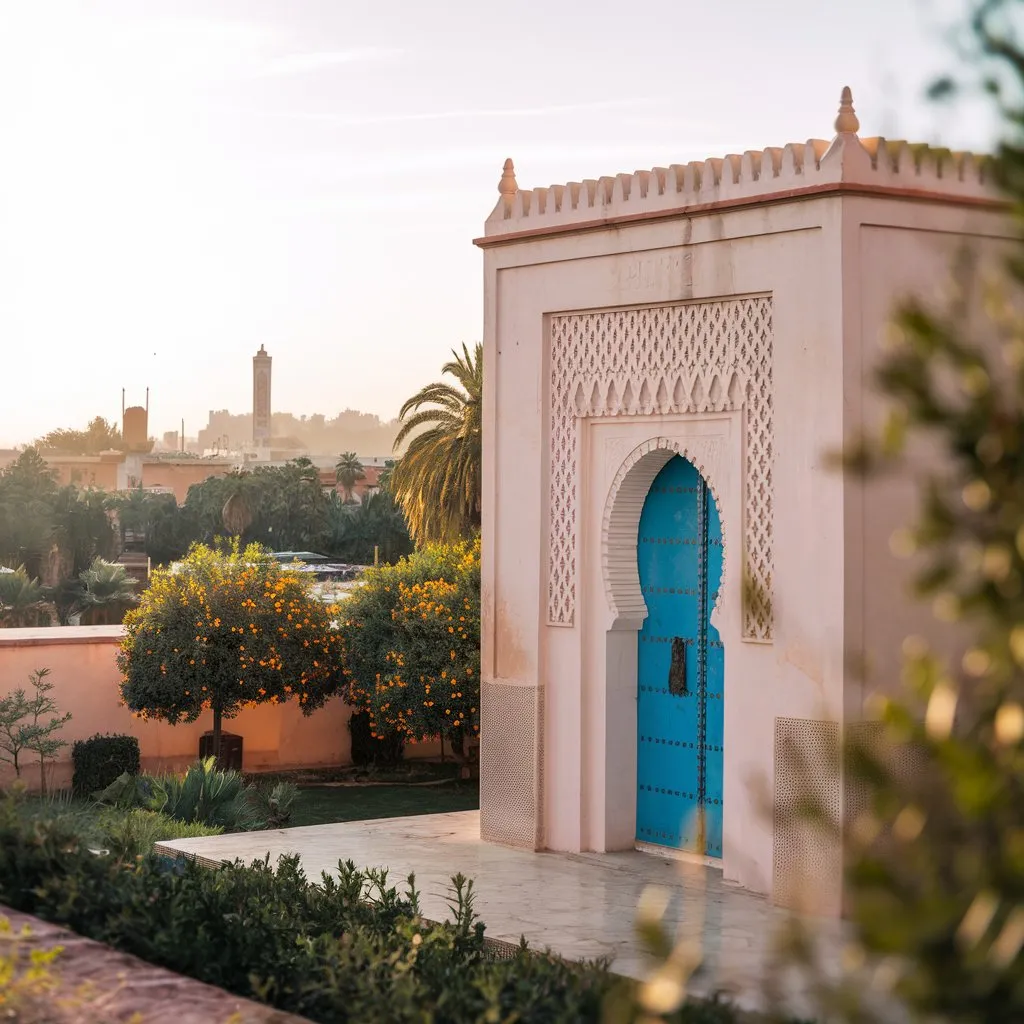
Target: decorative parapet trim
pixel 871 163
pixel 836 189
pixel 754 175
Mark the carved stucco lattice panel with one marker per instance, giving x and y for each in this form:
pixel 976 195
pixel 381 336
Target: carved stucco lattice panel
pixel 701 357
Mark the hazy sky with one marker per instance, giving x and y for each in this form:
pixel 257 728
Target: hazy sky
pixel 181 182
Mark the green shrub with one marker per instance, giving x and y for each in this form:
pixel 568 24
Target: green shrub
pixel 207 795
pixel 272 805
pixel 126 831
pixel 98 761
pixel 349 948
pixel 204 794
pixel 58 808
pixel 130 833
pixel 128 791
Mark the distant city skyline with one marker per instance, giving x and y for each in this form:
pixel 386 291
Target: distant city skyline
pixel 233 429
pixel 185 180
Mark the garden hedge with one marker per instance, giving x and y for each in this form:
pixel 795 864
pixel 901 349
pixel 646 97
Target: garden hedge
pixel 349 948
pixel 99 760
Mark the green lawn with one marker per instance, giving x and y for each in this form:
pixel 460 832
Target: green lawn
pixel 404 772
pixel 315 805
pixel 320 805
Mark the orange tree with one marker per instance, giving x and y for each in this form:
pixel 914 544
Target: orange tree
pixel 412 645
pixel 219 631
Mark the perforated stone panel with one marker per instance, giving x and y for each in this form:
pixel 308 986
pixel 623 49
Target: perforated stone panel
pixel 693 358
pixel 807 860
pixel 855 794
pixel 904 761
pixel 511 766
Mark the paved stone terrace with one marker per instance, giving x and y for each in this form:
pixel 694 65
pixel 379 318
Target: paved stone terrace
pixel 580 906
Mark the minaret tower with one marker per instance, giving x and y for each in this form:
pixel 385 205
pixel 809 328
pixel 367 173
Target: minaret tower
pixel 261 398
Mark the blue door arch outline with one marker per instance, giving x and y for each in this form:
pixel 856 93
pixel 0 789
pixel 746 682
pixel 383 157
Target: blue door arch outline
pixel 680 665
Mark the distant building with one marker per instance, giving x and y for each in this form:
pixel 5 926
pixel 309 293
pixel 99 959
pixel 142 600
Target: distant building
pixel 261 367
pixel 118 471
pixel 223 432
pixel 166 474
pixel 135 429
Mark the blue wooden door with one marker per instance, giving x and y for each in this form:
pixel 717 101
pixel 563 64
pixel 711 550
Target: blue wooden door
pixel 680 666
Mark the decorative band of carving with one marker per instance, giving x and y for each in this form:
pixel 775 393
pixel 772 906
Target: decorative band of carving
pixel 702 357
pixel 622 510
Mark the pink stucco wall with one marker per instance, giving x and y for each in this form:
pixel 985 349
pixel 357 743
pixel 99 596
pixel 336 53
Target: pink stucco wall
pixel 84 673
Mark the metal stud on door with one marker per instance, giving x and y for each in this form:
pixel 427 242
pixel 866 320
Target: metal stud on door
pixel 679 699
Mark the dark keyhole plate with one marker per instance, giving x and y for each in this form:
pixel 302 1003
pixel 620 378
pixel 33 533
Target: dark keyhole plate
pixel 677 668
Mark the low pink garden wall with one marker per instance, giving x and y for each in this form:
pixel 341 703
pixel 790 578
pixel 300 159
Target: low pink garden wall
pixel 85 677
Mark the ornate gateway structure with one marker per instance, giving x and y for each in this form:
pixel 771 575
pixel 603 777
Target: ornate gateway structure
pixel 676 582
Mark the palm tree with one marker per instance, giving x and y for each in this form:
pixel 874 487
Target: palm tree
pixel 108 591
pixel 66 597
pixel 384 476
pixel 132 512
pixel 437 480
pixel 348 470
pixel 237 512
pixel 386 527
pixel 304 504
pixel 27 493
pixel 82 528
pixel 22 600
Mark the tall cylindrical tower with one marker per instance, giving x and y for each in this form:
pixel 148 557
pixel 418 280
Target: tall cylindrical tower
pixel 261 398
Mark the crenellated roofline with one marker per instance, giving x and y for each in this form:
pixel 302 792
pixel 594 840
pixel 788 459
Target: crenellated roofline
pixel 848 164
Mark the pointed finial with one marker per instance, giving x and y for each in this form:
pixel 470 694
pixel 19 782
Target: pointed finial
pixel 847 119
pixel 507 186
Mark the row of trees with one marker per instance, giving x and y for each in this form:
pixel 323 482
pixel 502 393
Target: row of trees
pixel 432 494
pixel 230 629
pixel 284 508
pixel 98 436
pixel 57 532
pixel 97 596
pixel 53 531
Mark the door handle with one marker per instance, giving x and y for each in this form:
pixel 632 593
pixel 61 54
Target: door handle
pixel 677 668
